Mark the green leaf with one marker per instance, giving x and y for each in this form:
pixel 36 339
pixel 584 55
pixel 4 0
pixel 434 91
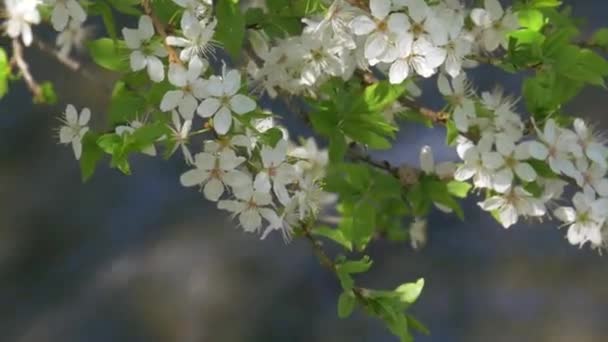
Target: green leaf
pixel 272 136
pixel 380 95
pixel 545 3
pixel 346 304
pixel 542 168
pixel 103 8
pixel 409 292
pixel 109 54
pixel 337 148
pixel 4 72
pixel 166 10
pixel 451 133
pixel 417 325
pixel 128 7
pixel 358 266
pixel 91 154
pixel 335 235
pixel 125 105
pixel 531 18
pixel 48 95
pixel 230 30
pixel 600 38
pixel 459 189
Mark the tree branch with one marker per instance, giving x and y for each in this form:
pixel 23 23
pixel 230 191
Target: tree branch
pixel 70 63
pixel 162 31
pixel 18 60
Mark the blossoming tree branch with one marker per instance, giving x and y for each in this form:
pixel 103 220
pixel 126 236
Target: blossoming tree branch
pixel 192 73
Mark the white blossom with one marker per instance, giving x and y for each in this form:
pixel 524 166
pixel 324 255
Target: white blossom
pixel 74 128
pixel 494 23
pixel 180 136
pixel 192 88
pixel 443 170
pixel 475 162
pixel 146 51
pixel 592 178
pixel 511 161
pixel 380 29
pixel 197 40
pixel 557 143
pixel 214 171
pixel 251 205
pixel 224 100
pixel 585 219
pixel 276 172
pixel 516 202
pixel 418 233
pixel 63 10
pixel 312 159
pixel 193 10
pixel 588 141
pixel 419 55
pixel 458 94
pixel 21 14
pixel 73 36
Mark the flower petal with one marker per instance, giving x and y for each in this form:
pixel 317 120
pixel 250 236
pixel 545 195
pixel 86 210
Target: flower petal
pixel 208 107
pixel 222 121
pixel 242 104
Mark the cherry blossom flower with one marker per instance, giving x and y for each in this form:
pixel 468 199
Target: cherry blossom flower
pixel 146 52
pixel 73 36
pixel 585 219
pixel 475 166
pixel 214 172
pixel 458 94
pixel 337 20
pixel 592 178
pixel 511 162
pixel 380 29
pixel 420 55
pixel 494 23
pixel 192 88
pixel 276 172
pixel 21 15
pixel 516 202
pixel 557 143
pixel 63 10
pixel 74 128
pixel 424 23
pixel 588 141
pixel 193 10
pixel 180 136
pixel 224 100
pixel 443 170
pixel 197 40
pixel 251 205
pixel 418 233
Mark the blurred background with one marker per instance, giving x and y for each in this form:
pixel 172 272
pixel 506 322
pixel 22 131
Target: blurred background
pixel 141 258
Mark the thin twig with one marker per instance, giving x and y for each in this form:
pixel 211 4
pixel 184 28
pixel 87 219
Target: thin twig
pixel 162 31
pixel 72 64
pixel 326 261
pixel 18 60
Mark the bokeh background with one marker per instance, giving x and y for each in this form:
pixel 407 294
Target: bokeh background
pixel 141 258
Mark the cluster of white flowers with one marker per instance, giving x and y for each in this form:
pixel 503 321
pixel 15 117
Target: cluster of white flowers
pixel 499 152
pixel 67 17
pixel 278 182
pixel 401 37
